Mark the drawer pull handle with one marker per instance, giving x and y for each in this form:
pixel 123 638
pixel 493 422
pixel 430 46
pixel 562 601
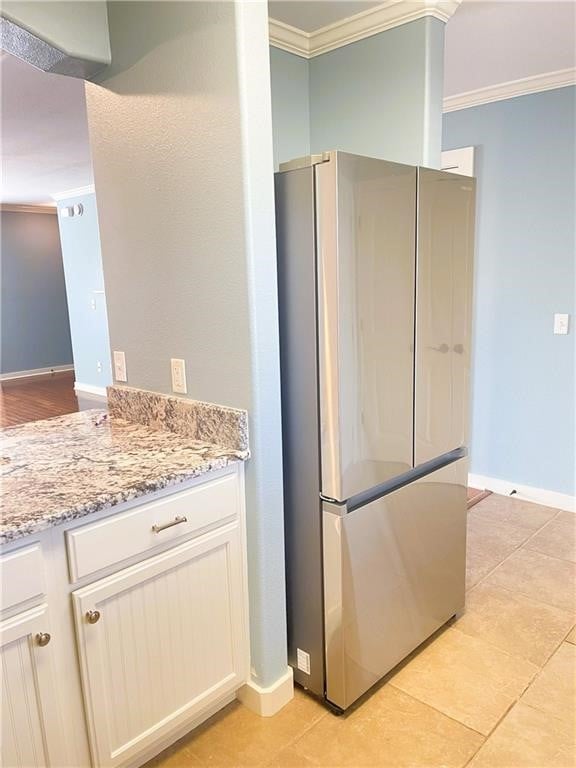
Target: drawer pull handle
pixel 92 617
pixel 177 520
pixel 43 638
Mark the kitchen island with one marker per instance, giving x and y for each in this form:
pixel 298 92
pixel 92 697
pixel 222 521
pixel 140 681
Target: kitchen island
pixel 123 565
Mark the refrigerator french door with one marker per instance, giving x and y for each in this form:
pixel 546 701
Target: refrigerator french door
pixel 374 497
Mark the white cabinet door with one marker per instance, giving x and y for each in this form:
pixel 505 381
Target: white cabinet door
pixel 169 638
pixel 31 733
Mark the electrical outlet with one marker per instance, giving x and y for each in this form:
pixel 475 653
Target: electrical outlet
pixel 92 303
pixel 561 322
pixel 303 661
pixel 98 366
pixel 120 366
pixel 178 368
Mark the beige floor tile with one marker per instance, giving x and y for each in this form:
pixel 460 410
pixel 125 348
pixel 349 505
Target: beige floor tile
pixel 572 636
pixel 482 557
pixel 238 737
pixel 528 738
pixel 390 730
pixel 290 758
pixel 516 624
pixel 539 577
pixel 466 678
pixel 554 690
pixel 179 757
pixel 488 544
pixel 557 539
pixel 496 527
pixel 506 509
pixel 565 517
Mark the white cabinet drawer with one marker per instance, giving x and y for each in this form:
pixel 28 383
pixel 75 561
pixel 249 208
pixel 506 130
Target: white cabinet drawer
pixel 99 545
pixel 22 576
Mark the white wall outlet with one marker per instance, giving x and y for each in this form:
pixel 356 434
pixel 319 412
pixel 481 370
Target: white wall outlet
pixel 178 368
pixel 120 366
pixel 98 366
pixel 561 323
pixel 303 661
pixel 92 303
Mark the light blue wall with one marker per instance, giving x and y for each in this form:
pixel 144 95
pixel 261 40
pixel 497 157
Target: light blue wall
pixel 34 315
pixel 290 105
pixel 85 289
pixel 523 380
pixel 382 96
pixel 186 206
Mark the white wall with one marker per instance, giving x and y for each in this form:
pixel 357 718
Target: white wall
pixel 181 133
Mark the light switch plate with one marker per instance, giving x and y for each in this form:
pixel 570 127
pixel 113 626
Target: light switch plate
pixel 561 322
pixel 120 366
pixel 178 368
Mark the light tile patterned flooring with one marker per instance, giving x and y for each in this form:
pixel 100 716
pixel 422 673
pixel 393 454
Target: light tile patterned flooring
pixel 495 689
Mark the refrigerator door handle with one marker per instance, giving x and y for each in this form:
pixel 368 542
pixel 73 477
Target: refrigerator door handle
pixel 443 348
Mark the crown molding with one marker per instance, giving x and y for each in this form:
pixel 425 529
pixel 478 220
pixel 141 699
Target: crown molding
pixel 526 85
pixel 17 208
pixel 392 13
pixel 289 38
pixel 77 192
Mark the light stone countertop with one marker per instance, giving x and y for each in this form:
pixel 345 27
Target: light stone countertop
pixel 64 468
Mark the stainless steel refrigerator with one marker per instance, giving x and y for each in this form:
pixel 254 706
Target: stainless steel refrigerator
pixel 375 292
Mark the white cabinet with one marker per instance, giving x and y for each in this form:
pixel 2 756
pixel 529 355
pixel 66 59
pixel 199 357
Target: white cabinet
pixel 160 641
pixel 31 731
pixel 167 576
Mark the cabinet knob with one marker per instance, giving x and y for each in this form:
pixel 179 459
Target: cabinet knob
pixel 92 617
pixel 42 638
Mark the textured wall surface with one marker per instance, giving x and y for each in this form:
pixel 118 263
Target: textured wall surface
pixel 85 290
pixel 290 75
pixel 523 426
pixel 34 313
pixel 182 152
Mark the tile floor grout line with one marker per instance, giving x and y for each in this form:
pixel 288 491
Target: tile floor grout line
pixel 303 733
pixel 501 650
pixel 523 596
pixel 506 713
pixel 444 714
pixel 519 546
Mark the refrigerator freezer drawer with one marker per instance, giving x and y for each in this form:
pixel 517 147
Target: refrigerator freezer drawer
pixel 394 572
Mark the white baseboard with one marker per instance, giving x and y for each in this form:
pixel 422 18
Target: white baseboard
pixel 524 492
pixel 267 701
pixel 35 372
pixel 89 389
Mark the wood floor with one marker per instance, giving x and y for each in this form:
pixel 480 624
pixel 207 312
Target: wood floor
pixel 38 397
pixel 474 495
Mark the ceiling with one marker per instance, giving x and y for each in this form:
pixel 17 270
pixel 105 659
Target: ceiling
pixel 45 147
pixel 488 43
